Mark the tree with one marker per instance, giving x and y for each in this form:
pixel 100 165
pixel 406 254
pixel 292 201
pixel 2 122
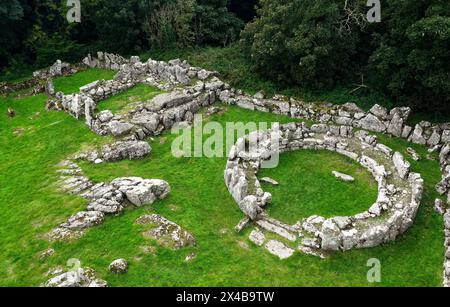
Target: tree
pixel 411 60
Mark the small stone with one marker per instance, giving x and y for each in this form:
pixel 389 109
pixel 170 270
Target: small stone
pixel 414 155
pixel 98 161
pixel 119 266
pixel 343 177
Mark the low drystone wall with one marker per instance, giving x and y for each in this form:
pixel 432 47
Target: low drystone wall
pixel 399 190
pixel 193 88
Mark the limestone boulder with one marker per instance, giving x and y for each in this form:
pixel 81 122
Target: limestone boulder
pixel 141 191
pixel 372 123
pixel 117 128
pixel 402 166
pixel 118 266
pixel 125 150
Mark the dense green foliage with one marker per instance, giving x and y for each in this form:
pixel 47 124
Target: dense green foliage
pixel 321 43
pixel 311 44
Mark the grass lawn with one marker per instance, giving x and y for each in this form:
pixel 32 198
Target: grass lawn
pixel 138 93
pixel 36 140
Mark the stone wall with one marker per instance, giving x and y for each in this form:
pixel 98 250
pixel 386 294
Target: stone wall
pixel 377 119
pixel 59 68
pixel 396 206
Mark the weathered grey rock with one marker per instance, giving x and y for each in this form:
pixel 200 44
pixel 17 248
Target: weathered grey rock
pixel 417 136
pixel 257 237
pixel 349 239
pixel 276 229
pixel 125 150
pixel 168 100
pixel 279 249
pixel 141 191
pixel 75 184
pixel 50 88
pixel 203 74
pixel 118 266
pixel 249 205
pixel 117 128
pixel 343 177
pixel 384 149
pixel 148 120
pixel 439 206
pixel 79 278
pixel 105 116
pixel 331 236
pixel 371 122
pixel 242 224
pixel 396 125
pixel 401 165
pixel 379 111
pixel 414 155
pixel 260 95
pixel 406 132
pixel 165 232
pixel 269 181
pixel 83 220
pixel 105 198
pixel 352 108
pixel 434 139
pixel 445 138
pixel 74 105
pixel 63 234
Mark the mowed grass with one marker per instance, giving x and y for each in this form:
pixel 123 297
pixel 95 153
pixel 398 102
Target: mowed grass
pixel 138 93
pixel 307 186
pixel 199 202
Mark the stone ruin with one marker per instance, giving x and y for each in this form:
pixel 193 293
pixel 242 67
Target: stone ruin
pixel 191 88
pixel 399 190
pixel 105 198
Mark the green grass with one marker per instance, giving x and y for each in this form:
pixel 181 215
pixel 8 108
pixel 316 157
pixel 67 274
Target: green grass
pixel 137 93
pixel 30 207
pixel 308 188
pixel 234 66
